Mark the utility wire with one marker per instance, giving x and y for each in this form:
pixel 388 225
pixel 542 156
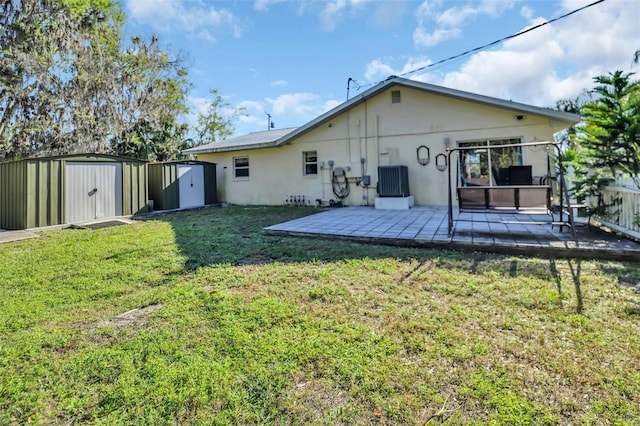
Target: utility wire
pixel 493 43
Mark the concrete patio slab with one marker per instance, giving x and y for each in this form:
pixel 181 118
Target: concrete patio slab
pixel 427 227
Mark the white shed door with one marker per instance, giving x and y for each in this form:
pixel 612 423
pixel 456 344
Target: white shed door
pixel 191 185
pixel 93 190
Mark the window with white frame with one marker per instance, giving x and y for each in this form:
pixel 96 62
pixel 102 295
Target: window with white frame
pixel 241 167
pixel 310 163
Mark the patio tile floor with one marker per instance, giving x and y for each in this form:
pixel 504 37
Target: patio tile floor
pixel 427 227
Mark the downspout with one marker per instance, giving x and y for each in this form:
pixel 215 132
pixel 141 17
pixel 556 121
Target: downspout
pixel 349 135
pixel 366 136
pixel 366 141
pixel 378 138
pixel 322 183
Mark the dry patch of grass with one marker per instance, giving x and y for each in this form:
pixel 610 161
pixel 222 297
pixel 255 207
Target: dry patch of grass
pixel 134 317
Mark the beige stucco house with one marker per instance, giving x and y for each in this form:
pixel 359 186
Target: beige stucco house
pixel 398 122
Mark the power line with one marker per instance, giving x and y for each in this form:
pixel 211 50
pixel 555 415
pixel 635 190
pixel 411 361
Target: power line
pixel 493 43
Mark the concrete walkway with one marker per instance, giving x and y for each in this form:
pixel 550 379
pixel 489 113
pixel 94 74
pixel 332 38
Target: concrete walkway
pixel 427 227
pixel 9 236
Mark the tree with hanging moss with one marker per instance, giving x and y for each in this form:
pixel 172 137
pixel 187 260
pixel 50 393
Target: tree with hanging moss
pixel 607 141
pixel 70 82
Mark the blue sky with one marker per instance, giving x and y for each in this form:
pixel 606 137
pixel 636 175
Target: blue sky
pixel 292 59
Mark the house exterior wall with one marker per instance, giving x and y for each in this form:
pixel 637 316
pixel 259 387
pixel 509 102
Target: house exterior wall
pixel 375 133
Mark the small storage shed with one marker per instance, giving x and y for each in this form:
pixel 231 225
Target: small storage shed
pixel 182 184
pixel 47 191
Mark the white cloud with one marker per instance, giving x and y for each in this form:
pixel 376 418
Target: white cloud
pixel 250 106
pixel 556 61
pixel 264 5
pixel 279 83
pixel 496 8
pixel 425 39
pixel 378 70
pixel 456 16
pixel 196 105
pixel 526 12
pixel 511 74
pixel 195 18
pixel 206 35
pixel 287 110
pixel 602 37
pixel 389 14
pixel 331 13
pixel 436 25
pixel 382 14
pixel 252 114
pixel 331 104
pixel 199 104
pixel 296 104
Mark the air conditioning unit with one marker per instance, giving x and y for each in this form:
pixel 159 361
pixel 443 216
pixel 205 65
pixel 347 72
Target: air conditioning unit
pixel 393 181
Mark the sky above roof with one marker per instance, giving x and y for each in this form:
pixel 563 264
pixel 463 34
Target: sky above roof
pixel 295 60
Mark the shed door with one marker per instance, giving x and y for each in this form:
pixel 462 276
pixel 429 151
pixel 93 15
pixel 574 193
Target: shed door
pixel 191 185
pixel 93 190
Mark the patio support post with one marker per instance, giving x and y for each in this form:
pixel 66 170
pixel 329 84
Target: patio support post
pixel 450 207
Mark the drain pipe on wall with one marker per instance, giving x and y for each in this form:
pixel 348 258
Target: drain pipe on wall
pixel 366 181
pixel 349 135
pixel 378 153
pixel 321 166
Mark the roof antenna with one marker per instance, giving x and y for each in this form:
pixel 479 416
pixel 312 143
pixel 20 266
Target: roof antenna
pixel 270 124
pixel 348 84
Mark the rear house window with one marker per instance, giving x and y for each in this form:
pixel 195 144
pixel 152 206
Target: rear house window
pixel 310 160
pixel 241 167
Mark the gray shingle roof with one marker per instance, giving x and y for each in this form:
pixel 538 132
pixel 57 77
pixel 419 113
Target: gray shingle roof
pixel 249 141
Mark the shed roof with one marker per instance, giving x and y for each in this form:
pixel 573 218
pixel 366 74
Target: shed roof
pixel 85 157
pixel 271 138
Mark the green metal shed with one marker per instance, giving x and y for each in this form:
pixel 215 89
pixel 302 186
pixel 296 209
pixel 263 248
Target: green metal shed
pixel 182 184
pixel 37 192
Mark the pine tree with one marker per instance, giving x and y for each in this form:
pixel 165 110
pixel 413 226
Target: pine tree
pixel 608 140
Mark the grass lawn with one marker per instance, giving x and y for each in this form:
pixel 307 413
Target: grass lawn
pixel 234 327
